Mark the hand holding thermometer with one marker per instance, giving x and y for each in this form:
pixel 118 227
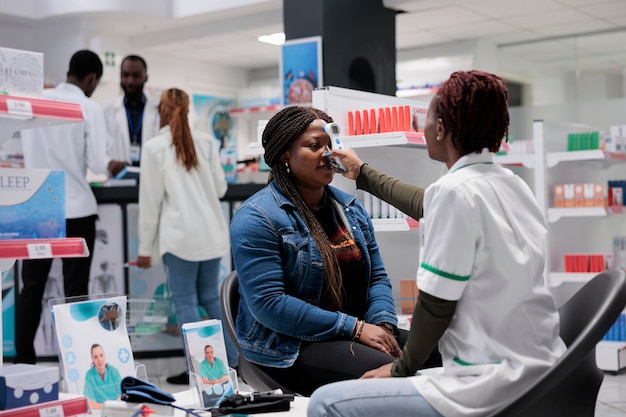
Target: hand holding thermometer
pixel 332 129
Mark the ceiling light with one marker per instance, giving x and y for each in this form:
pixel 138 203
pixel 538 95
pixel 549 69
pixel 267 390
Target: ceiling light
pixel 274 38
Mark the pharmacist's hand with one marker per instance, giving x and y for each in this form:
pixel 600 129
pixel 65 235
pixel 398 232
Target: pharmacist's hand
pixel 382 372
pixel 380 339
pixel 350 160
pixel 144 262
pixel 115 167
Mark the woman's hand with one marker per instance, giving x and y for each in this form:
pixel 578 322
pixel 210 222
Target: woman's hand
pixel 350 160
pixel 382 372
pixel 379 339
pixel 144 262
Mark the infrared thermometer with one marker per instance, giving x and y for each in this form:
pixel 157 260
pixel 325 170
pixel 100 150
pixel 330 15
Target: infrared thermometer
pixel 332 129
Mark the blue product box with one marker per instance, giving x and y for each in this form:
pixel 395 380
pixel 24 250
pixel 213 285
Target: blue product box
pixel 32 203
pixel 23 384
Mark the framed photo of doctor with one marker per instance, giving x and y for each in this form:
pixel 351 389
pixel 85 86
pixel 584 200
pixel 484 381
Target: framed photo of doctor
pixel 300 69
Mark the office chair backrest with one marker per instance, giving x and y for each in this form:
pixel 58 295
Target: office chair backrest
pixel 570 388
pixel 248 371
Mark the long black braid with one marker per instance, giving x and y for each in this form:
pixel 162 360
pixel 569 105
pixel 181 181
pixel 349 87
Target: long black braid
pixel 280 132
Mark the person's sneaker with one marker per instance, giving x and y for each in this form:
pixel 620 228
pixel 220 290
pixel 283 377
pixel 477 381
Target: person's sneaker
pixel 182 379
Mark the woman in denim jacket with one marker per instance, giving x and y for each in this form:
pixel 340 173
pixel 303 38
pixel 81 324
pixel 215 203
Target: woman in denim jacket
pixel 316 303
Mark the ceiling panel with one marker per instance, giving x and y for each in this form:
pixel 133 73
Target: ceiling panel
pixel 498 9
pixel 440 18
pixel 542 20
pixel 477 30
pixel 572 29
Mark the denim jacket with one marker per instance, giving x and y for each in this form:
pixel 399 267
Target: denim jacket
pixel 281 275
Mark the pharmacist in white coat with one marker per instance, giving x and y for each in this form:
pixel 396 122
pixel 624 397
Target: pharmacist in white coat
pixel 72 147
pixel 482 295
pixel 180 214
pixel 132 118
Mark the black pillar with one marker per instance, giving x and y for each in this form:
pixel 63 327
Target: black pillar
pixel 358 40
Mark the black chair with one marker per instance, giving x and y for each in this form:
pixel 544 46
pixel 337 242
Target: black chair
pixel 570 388
pixel 251 374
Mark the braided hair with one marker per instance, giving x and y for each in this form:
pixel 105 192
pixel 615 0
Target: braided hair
pixel 282 130
pixel 173 110
pixel 473 107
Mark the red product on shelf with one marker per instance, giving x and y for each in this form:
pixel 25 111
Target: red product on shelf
pixel 394 119
pixel 373 126
pixel 366 123
pixel 358 127
pixel 569 262
pixel 381 120
pixel 350 123
pixel 387 119
pixel 407 118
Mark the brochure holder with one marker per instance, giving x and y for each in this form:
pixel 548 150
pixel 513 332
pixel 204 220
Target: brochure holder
pixel 205 350
pixel 93 345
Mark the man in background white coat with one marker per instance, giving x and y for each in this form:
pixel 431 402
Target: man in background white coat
pixel 71 147
pixel 134 117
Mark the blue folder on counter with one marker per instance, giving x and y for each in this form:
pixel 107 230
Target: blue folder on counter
pixel 128 172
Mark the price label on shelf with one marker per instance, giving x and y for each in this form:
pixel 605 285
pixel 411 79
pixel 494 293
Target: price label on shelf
pixel 20 108
pixel 56 411
pixel 39 250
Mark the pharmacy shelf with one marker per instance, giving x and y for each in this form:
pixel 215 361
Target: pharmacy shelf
pixel 19 113
pixel 555 214
pixel 554 158
pixel 527 161
pixel 71 247
pixel 394 225
pixel 558 278
pixel 258 109
pixel 66 406
pixel 411 139
pixel 27 113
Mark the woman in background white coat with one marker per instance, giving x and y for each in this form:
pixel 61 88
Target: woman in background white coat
pixel 180 215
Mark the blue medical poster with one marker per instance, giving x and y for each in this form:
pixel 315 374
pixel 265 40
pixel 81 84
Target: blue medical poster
pixel 301 69
pixel 212 117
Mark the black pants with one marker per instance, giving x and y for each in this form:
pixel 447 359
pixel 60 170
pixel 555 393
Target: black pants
pixel 34 277
pixel 321 363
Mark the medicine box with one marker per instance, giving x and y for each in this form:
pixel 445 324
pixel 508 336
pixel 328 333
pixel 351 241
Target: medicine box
pixel 23 384
pixel 21 73
pixel 32 203
pixel 408 295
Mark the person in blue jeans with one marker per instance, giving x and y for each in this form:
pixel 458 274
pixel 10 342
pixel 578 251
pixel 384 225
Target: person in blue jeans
pixel 316 302
pixel 180 215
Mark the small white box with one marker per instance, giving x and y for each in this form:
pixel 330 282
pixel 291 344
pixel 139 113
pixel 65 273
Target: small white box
pixel 21 73
pixel 611 356
pixel 22 385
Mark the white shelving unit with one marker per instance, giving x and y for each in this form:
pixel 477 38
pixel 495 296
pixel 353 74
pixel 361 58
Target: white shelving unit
pixel 549 166
pixel 19 113
pixel 578 229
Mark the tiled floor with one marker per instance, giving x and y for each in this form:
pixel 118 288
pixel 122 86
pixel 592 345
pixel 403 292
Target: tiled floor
pixel 611 399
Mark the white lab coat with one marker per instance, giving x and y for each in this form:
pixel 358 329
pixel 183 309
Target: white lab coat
pixel 72 147
pixel 484 243
pixel 179 210
pixel 117 124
